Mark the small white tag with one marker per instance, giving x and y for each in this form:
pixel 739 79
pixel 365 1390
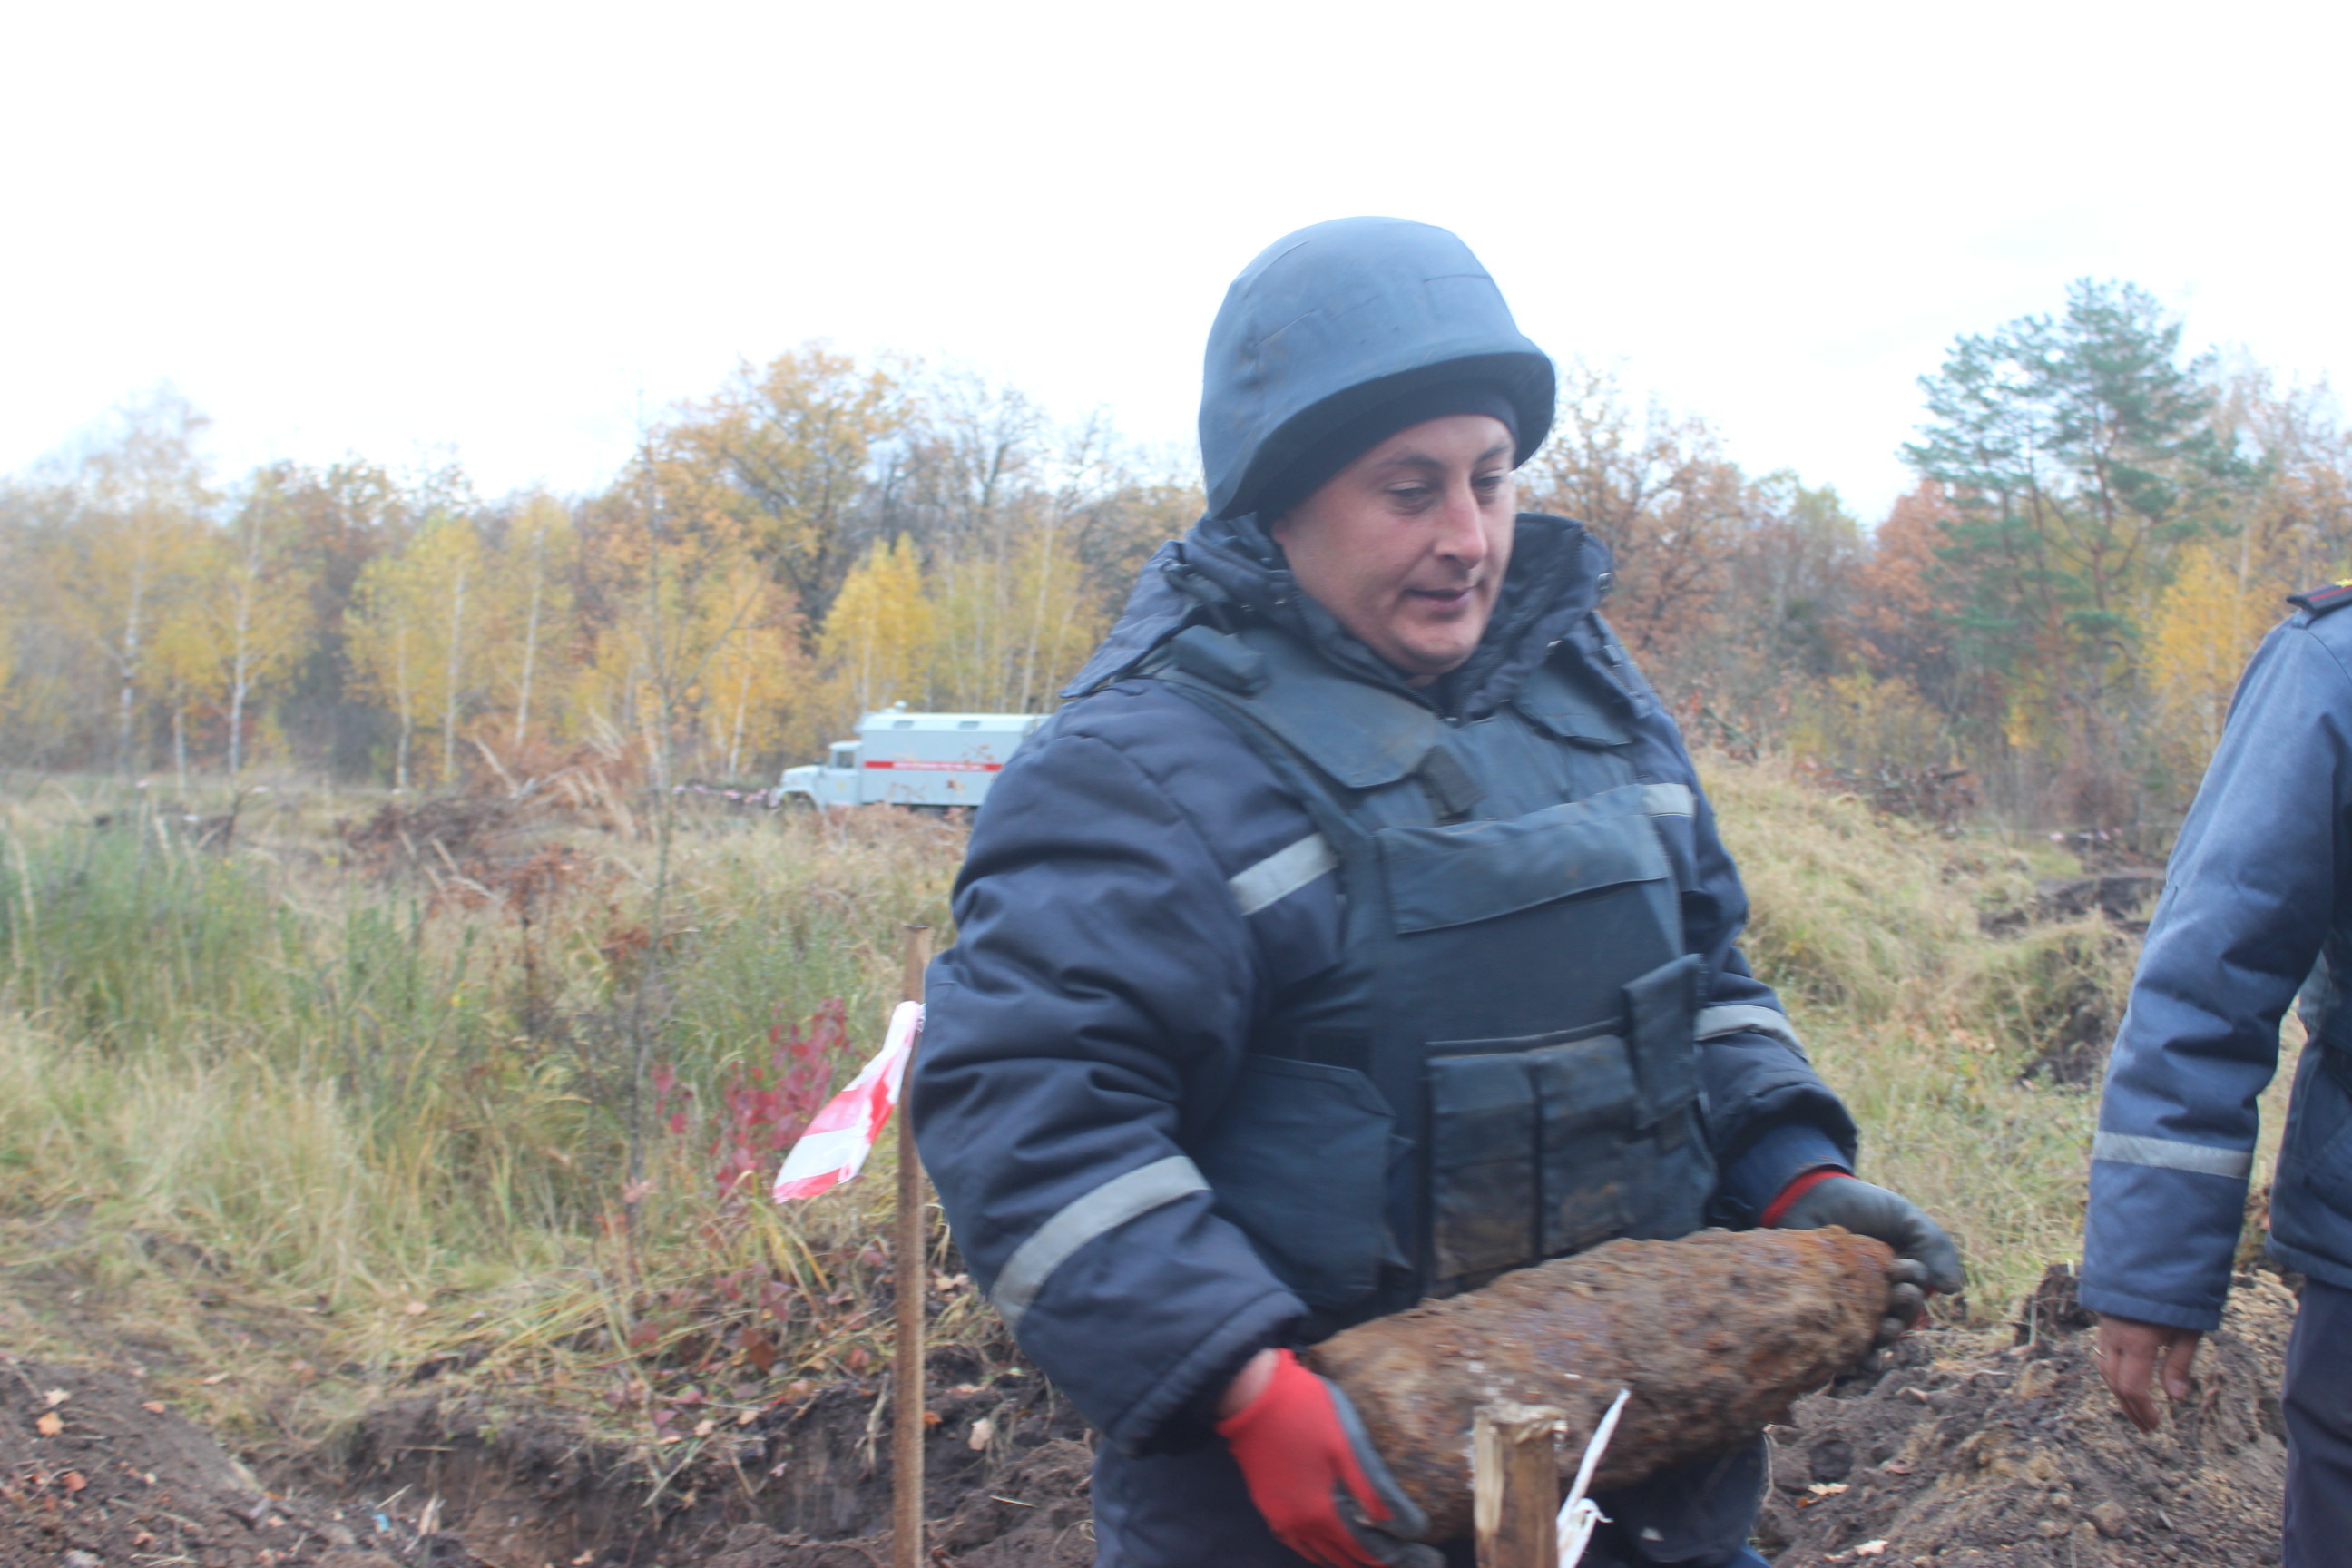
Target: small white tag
pixel 1580 1515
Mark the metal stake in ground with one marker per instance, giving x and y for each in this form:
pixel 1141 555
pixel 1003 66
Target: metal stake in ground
pixel 907 1263
pixel 1514 1485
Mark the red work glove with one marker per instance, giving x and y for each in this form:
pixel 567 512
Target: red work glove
pixel 1314 1475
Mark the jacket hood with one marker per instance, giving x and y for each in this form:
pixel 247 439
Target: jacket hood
pixel 1225 570
pixel 1338 318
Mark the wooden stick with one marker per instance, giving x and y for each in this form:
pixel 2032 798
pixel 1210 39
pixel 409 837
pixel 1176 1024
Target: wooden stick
pixel 1514 1485
pixel 907 1249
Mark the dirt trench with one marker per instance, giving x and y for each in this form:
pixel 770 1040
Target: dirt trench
pixel 96 1473
pixel 1959 1453
pixel 1962 1455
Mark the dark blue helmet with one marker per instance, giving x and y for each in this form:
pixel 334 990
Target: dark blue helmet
pixel 1337 319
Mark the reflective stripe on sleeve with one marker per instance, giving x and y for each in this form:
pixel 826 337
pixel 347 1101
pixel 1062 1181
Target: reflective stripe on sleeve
pixel 1668 800
pixel 2172 1154
pixel 1282 873
pixel 1714 1023
pixel 1082 1219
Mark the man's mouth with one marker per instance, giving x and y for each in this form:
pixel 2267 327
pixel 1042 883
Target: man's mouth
pixel 1441 598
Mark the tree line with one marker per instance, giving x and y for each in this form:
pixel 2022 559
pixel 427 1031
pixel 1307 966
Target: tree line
pixel 816 538
pixel 2103 526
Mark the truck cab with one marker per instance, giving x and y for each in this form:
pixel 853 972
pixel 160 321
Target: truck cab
pixel 926 761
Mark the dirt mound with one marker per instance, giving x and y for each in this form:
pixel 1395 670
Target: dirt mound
pixel 1958 1454
pixel 1968 1457
pixel 807 1485
pixel 94 1472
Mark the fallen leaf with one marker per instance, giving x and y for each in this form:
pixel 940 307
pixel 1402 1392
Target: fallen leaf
pixel 48 1426
pixel 144 1537
pixel 705 1429
pixel 584 1559
pixel 152 1406
pixel 1826 1488
pixel 672 1437
pixel 55 1397
pixel 414 1309
pixel 981 1431
pixel 1871 1549
pixel 73 1480
pixel 217 1377
pixel 745 1417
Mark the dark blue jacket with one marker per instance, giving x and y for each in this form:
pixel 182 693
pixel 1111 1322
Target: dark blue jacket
pixel 1115 945
pixel 2259 891
pixel 1098 1001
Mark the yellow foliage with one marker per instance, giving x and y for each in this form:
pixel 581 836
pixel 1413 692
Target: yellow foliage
pixel 1013 623
pixel 1859 721
pixel 411 630
pixel 756 674
pixel 879 637
pixel 2205 628
pixel 530 619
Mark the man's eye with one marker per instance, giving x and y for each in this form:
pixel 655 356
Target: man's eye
pixel 1409 495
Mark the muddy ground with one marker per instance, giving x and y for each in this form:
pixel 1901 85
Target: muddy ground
pixel 1969 1457
pixel 91 1463
pixel 1963 1452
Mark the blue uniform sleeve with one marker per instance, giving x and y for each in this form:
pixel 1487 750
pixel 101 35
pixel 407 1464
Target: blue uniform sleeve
pixel 2249 895
pixel 1103 979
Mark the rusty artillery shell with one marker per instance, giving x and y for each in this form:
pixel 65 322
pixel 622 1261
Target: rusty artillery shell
pixel 1716 1334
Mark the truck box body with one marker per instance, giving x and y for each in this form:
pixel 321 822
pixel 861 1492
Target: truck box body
pixel 934 760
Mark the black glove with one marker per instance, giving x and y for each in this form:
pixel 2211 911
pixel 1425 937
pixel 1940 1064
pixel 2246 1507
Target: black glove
pixel 1924 1258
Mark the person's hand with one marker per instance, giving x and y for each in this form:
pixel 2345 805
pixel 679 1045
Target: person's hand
pixel 2129 1351
pixel 1924 1258
pixel 1313 1473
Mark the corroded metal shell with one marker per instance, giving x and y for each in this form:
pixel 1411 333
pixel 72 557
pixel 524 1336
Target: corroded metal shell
pixel 1716 1334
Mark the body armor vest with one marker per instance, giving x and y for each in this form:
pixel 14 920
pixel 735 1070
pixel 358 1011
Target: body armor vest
pixel 1501 1066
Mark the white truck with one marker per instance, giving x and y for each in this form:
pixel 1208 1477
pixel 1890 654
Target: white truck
pixel 924 760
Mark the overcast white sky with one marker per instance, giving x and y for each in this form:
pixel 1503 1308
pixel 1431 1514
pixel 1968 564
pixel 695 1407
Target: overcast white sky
pixel 505 231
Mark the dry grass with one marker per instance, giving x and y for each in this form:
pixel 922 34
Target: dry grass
pixel 326 1118
pixel 1926 1022
pixel 298 1124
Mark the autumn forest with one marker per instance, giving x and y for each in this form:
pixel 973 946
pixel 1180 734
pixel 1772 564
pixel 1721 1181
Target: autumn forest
pixel 2048 626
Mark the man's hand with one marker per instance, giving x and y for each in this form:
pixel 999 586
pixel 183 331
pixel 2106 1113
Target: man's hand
pixel 1313 1473
pixel 2128 1350
pixel 1924 1258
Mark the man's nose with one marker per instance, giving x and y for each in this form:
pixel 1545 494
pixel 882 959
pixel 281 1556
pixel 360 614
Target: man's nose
pixel 1461 534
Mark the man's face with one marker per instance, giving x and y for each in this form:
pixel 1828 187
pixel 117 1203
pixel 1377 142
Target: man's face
pixel 1407 545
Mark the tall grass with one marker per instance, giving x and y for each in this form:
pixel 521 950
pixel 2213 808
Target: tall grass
pixel 397 1095
pixel 387 1104
pixel 1875 932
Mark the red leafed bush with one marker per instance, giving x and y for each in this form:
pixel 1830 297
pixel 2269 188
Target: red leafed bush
pixel 763 1109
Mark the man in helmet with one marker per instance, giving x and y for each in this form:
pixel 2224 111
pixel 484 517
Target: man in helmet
pixel 1358 931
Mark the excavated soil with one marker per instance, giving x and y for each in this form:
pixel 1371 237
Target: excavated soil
pixel 1964 1457
pixel 92 1464
pixel 1960 1452
pixel 95 1470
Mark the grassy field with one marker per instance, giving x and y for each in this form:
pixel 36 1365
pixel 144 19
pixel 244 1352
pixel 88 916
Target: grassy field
pixel 364 1092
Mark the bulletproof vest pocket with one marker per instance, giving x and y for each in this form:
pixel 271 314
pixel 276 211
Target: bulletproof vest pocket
pixel 1298 1159
pixel 1526 1143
